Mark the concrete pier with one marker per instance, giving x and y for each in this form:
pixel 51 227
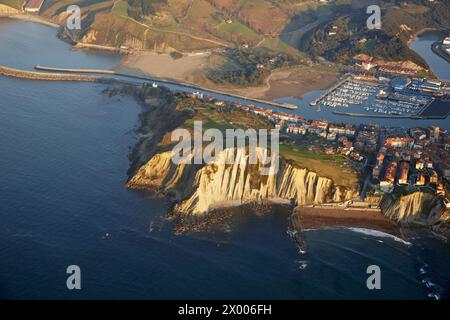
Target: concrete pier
pixel 32 75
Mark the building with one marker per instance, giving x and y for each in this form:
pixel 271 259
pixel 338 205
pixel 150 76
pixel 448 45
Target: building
pixel 435 133
pixel 404 173
pixel 280 124
pixel 321 124
pixel 433 177
pixel 399 142
pixel 376 172
pixel 380 158
pixel 400 83
pixel 386 186
pixel 420 180
pixel 419 164
pixel 296 130
pixel 331 136
pixel 391 172
pixel 33 6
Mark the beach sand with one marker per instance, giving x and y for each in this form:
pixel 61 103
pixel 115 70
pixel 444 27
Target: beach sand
pixel 163 65
pixel 190 69
pixel 291 83
pixel 313 218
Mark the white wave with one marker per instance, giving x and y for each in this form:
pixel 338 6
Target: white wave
pixel 291 232
pixel 380 234
pixel 428 283
pixel 302 264
pixel 370 232
pixel 435 296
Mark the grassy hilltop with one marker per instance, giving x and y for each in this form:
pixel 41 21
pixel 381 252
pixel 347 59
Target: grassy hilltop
pixel 248 40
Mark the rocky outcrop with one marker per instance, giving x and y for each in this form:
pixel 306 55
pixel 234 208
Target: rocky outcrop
pixel 200 189
pixel 159 105
pixel 418 207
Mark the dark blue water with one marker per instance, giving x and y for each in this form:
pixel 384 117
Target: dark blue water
pixel 63 163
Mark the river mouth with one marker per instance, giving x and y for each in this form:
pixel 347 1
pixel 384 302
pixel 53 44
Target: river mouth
pixel 422 46
pixel 62 202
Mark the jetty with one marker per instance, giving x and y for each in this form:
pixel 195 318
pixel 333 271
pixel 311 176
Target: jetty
pixel 33 75
pixel 166 81
pixel 329 91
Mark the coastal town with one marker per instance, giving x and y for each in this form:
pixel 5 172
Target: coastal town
pixel 348 196
pixel 389 159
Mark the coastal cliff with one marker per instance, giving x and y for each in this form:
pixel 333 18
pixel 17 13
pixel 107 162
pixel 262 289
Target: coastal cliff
pixel 418 208
pixel 201 189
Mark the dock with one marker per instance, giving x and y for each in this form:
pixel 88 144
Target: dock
pixel 330 91
pixel 380 116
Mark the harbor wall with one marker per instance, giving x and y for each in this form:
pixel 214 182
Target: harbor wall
pixel 24 74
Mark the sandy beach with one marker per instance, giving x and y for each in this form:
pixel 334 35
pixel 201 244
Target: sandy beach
pixel 293 82
pixel 163 65
pixel 313 218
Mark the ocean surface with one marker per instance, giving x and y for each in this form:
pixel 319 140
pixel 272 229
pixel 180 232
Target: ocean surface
pixel 63 163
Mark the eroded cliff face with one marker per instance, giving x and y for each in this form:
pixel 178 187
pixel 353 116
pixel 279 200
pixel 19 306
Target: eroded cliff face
pixel 200 189
pixel 415 208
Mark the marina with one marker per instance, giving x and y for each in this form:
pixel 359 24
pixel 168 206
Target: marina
pixel 387 98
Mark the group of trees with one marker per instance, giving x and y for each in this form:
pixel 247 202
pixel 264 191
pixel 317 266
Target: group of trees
pixel 138 9
pixel 249 67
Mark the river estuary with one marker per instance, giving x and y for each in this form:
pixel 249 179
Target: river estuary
pixel 63 164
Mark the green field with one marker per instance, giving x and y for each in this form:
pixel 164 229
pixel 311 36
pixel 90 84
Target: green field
pixel 278 45
pixel 238 29
pixel 334 167
pixel 121 8
pixel 212 117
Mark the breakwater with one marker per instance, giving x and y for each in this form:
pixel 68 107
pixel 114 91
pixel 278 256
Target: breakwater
pixel 69 70
pixel 33 75
pixel 169 82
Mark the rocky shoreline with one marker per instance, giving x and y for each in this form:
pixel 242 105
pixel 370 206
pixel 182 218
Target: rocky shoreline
pixel 199 196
